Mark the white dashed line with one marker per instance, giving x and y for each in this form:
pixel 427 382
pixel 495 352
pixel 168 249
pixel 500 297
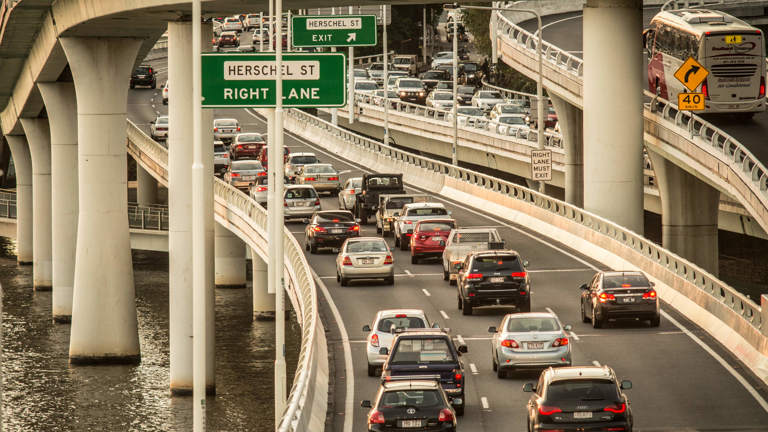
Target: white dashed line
pixel 484 402
pixel 426 293
pixel 445 315
pixel 596 363
pixel 461 340
pixel 574 335
pixel 473 368
pixel 408 272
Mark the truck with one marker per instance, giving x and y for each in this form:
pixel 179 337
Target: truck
pixel 408 63
pixel 373 186
pixel 461 242
pixel 389 204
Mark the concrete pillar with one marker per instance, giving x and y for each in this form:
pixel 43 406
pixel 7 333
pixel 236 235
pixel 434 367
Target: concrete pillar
pixel 263 302
pixel 60 103
pixel 229 259
pixel 22 162
pixel 689 211
pixel 39 140
pixel 146 187
pixel 180 211
pixel 572 129
pixel 104 324
pixel 613 125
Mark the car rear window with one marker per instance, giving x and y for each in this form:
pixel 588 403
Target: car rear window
pixel 428 211
pixel 298 193
pixel 398 203
pixel 225 123
pixel 442 96
pixel 422 350
pixel 498 263
pixel 411 398
pixel 403 322
pixel 250 138
pixel 341 216
pixel 303 160
pixel 320 169
pixel 625 281
pixel 475 237
pixel 142 70
pixel 366 246
pixel 581 390
pixel 410 84
pixel 530 324
pixel 436 226
pixel 161 120
pixel 383 182
pixel 219 148
pixel 246 166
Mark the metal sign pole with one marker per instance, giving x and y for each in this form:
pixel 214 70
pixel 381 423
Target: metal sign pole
pixel 261 31
pixel 351 81
pixel 271 26
pixel 386 72
pixel 454 155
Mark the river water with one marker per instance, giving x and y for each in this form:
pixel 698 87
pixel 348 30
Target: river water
pixel 41 392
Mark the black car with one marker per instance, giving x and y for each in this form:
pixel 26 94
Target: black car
pixel 464 94
pixel 619 295
pixel 410 404
pixel 431 77
pixel 329 229
pixel 418 352
pixel 144 75
pixel 584 398
pixel 469 73
pixel 497 277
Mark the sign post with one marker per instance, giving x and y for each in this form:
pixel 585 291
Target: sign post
pixel 541 165
pixel 330 30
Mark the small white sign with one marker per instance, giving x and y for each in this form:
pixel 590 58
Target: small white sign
pixel 334 23
pixel 541 165
pixel 267 70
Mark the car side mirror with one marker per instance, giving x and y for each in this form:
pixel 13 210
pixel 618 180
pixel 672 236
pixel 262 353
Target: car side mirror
pixel 525 263
pixel 463 349
pixel 365 403
pixel 583 287
pixel 492 329
pixel 366 328
pixel 568 327
pixel 529 388
pixel 384 351
pixel 626 384
pixel 436 325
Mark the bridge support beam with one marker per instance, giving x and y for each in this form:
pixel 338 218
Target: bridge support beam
pixel 60 103
pixel 39 139
pixel 689 211
pixel 572 129
pixel 104 323
pixel 229 259
pixel 22 163
pixel 613 126
pixel 180 212
pixel 263 302
pixel 146 187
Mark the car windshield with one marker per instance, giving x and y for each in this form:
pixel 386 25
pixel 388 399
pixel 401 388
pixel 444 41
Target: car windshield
pixel 444 55
pixel 319 169
pixel 361 73
pixel 219 148
pixel 402 60
pixel 472 237
pixel 471 111
pixel 532 324
pixel 625 281
pixel 433 75
pixel 161 120
pixel 445 85
pixel 436 226
pixel 339 216
pixel 427 211
pixel 470 67
pixel 383 182
pixel 497 263
pixel 400 321
pixel 366 86
pixel 581 390
pixel 420 399
pixel 377 66
pixel 227 123
pixel 489 95
pixel 250 138
pixel 466 90
pixel 512 120
pixel 303 160
pixel 298 193
pixel 410 84
pixel 390 94
pixel 512 109
pixel 366 246
pixel 422 350
pixel 442 96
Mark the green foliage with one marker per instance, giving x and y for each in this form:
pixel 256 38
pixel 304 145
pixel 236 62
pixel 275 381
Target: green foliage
pixel 405 31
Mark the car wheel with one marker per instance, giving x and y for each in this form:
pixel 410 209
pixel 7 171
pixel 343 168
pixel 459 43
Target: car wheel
pixel 306 246
pixel 656 321
pixel 343 281
pixel 414 259
pixel 165 102
pixel 445 275
pixel 154 85
pixel 501 373
pixel 371 370
pixel 460 302
pixel 493 360
pixel 451 282
pixel 338 278
pixel 403 243
pixel 397 241
pixel 596 323
pixel 584 317
pixel 466 308
pixel 312 247
pixel 525 307
pixel 389 280
pixel 378 229
pixel 459 410
pixel 133 86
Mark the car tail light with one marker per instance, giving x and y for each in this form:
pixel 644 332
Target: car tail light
pixel 347 261
pixel 238 128
pixel 617 428
pixel 616 409
pixel 474 276
pixel 457 376
pixel 388 259
pixel 705 89
pixel 445 415
pixel 309 179
pixel 376 417
pixel 651 295
pixel 285 203
pixel 225 155
pixel 548 410
pixel 333 178
pixel 239 146
pixel 354 228
pixel 319 229
pixel 352 191
pixel 261 174
pixel 234 174
pixel 407 222
pixel 317 202
pixel 761 92
pixel 518 274
pixel 261 189
pixel 560 342
pixel 510 343
pixel 604 297
pixel 150 70
pixel 374 340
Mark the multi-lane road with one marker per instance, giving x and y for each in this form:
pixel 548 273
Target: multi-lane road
pixel 682 379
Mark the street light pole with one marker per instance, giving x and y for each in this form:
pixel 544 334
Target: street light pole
pixel 454 155
pixel 386 73
pixel 351 81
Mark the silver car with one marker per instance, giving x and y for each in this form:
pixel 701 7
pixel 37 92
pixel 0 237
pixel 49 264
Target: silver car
pixel 348 194
pixel 365 258
pixel 296 161
pixel 158 129
pixel 301 201
pixel 322 176
pixel 382 331
pixel 241 174
pixel 533 340
pixel 487 99
pixel 258 190
pixel 412 213
pixel 220 157
pixel 225 129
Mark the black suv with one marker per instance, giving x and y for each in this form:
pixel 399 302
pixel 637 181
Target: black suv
pixel 577 399
pixel 410 404
pixel 496 277
pixel 144 75
pixel 329 229
pixel 417 353
pixel 619 295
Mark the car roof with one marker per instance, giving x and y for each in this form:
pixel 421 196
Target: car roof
pixel 410 385
pixel 224 119
pixel 417 332
pixel 494 252
pixel 371 238
pixel 425 205
pixel 303 154
pixel 229 33
pixel 390 312
pixel 579 372
pixel 332 211
pixel 622 273
pixel 295 186
pixel 317 165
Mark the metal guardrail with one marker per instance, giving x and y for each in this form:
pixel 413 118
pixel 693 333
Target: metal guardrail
pixel 364 60
pixel 686 4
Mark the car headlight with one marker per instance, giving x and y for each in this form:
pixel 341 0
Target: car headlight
pixel 402 93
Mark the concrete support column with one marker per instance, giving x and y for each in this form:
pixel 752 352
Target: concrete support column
pixel 689 212
pixel 104 324
pixel 39 139
pixel 146 187
pixel 229 259
pixel 263 302
pixel 60 103
pixel 22 162
pixel 613 126
pixel 572 129
pixel 180 211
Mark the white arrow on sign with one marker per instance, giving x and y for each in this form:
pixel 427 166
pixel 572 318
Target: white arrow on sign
pixel 352 36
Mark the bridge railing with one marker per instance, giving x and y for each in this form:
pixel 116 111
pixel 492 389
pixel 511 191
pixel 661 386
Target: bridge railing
pixel 686 4
pixel 375 58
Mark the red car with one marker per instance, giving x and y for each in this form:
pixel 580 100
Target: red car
pixel 264 159
pixel 429 237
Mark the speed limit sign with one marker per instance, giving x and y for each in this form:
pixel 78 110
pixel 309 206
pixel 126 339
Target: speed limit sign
pixel 690 101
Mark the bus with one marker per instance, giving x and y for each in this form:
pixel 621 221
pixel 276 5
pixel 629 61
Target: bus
pixel 731 50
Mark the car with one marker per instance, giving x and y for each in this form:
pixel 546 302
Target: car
pixel 428 352
pixel 296 161
pixel 389 208
pixel 391 96
pixel 442 58
pixel 445 86
pixel 232 24
pixel 581 397
pixel 442 100
pixel 246 146
pixel 619 295
pixel 225 129
pixel 241 174
pixel 165 93
pixel 348 192
pixel 251 22
pixel 360 74
pixel 382 331
pixel 469 116
pixel 410 404
pixel 506 108
pixel 228 39
pixel 158 128
pixel 493 278
pixel 143 75
pixel 460 31
pixel 264 157
pixel 329 229
pixel 407 63
pixel 259 190
pixel 430 78
pixel 487 99
pixel 376 72
pixel 365 258
pixel 508 124
pixel 429 238
pixel 464 94
pixel 300 201
pixel 410 90
pixel 462 241
pixel 366 86
pixel 550 119
pixel 525 341
pixel 374 185
pixel 260 37
pixel 322 176
pixel 469 73
pixel 392 79
pixel 412 213
pixel 221 158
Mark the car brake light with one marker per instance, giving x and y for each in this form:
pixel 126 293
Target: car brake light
pixel 617 409
pixel 234 174
pixel 354 228
pixel 705 89
pixel 560 342
pixel 626 285
pixel 407 222
pixel 239 146
pixel 474 276
pixel 388 259
pixel 548 410
pixel 376 417
pixel 604 297
pixel 445 415
pixel 374 340
pixel 457 376
pixel 285 203
pixel 261 174
pixel 510 343
pixel 225 155
pixel 319 229
pixel 761 92
pixel 309 179
pixel 347 261
pixel 351 191
pixel 518 274
pixel 215 129
pixel 261 189
pixel 317 202
pixel 650 294
pixel 333 178
pixel 238 128
pixel 150 70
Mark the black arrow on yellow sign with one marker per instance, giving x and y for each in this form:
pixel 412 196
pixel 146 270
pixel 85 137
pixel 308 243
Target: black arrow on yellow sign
pixel 690 71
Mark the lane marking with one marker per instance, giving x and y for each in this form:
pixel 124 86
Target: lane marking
pixel 484 402
pixel 426 293
pixel 408 272
pixel 445 315
pixel 596 363
pixel 396 275
pixel 574 335
pixel 461 340
pixel 558 270
pixel 473 368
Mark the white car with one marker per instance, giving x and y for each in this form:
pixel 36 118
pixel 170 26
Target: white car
pixel 376 72
pixel 158 129
pixel 165 93
pixel 296 161
pixel 348 193
pixel 391 96
pixel 442 58
pixel 469 116
pixel 383 329
pixel 365 258
pixel 487 99
pixel 301 201
pixel 393 76
pixel 252 22
pixel 442 100
pixel 509 124
pixel 366 86
pixel 506 108
pixel 232 24
pixel 412 213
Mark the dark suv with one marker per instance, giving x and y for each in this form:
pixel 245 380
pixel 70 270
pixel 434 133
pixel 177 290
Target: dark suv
pixel 144 75
pixel 497 277
pixel 619 295
pixel 330 229
pixel 427 352
pixel 578 399
pixel 410 405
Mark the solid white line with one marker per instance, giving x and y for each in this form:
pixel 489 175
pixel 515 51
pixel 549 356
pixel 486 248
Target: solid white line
pixel 720 360
pixel 461 340
pixel 484 402
pixel 445 315
pixel 473 368
pixel 596 363
pixel 559 270
pixel 426 293
pixel 408 272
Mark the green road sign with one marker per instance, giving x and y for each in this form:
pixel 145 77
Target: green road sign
pixel 334 30
pixel 232 80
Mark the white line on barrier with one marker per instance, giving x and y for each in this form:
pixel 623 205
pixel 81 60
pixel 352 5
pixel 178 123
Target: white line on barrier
pixel 408 272
pixel 473 368
pixel 484 402
pixel 445 315
pixel 426 293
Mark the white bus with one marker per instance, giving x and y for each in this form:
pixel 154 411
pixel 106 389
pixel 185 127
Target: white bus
pixel 730 49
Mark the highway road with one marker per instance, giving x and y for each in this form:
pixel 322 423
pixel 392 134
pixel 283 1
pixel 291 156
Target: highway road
pixel 682 378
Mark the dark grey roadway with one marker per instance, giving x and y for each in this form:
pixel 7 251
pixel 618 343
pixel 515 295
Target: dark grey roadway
pixel 677 384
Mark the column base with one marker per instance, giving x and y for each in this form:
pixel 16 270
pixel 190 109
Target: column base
pixel 62 319
pixel 210 390
pixel 43 287
pixel 264 316
pixel 231 286
pixel 105 360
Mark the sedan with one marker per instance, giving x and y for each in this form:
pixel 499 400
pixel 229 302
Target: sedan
pixel 410 404
pixel 241 174
pixel 158 128
pixel 508 124
pixel 487 99
pixel 228 39
pixel 529 341
pixel 506 108
pixel 221 159
pixel 365 258
pixel 329 229
pixel 464 94
pixel 442 58
pixel 441 100
pixel 246 146
pixel 382 332
pixel 360 74
pixel 225 129
pixel 259 189
pixel 348 194
pixel 429 238
pixel 365 86
pixel 296 161
pixel 469 116
pixel 301 201
pixel 619 295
